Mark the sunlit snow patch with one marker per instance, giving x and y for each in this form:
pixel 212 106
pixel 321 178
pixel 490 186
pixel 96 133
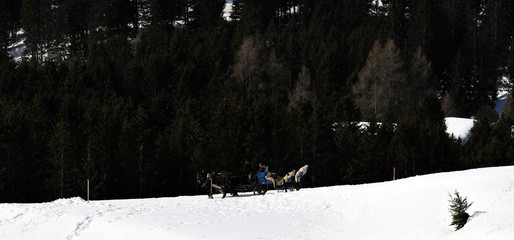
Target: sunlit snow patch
pixel 459 128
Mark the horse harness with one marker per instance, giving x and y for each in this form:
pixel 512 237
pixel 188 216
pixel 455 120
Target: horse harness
pixel 209 179
pixel 212 185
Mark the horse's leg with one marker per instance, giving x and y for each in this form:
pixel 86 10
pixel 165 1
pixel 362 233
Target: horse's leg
pixel 209 191
pixel 224 192
pixel 228 187
pixel 233 191
pixel 209 195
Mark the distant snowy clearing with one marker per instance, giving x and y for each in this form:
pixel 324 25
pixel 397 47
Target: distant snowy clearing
pixel 459 128
pixel 412 208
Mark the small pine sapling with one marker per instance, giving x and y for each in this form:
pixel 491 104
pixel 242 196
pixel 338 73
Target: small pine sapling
pixel 458 207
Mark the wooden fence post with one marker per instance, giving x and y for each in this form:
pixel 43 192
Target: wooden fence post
pixel 88 190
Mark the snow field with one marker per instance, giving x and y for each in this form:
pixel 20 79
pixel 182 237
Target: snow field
pixel 412 208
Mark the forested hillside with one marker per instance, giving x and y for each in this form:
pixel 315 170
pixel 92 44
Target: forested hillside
pixel 139 95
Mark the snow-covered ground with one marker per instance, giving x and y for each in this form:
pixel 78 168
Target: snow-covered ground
pixel 412 208
pixel 459 128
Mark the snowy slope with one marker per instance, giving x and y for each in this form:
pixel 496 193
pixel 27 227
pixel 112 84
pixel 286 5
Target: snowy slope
pixel 459 128
pixel 413 208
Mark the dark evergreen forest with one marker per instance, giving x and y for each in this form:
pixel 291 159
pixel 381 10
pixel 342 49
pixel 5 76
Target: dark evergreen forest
pixel 139 95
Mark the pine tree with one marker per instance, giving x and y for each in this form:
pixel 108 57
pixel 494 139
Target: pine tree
pixel 64 168
pixel 208 12
pixel 373 159
pixel 498 24
pixel 107 64
pixel 421 143
pixel 10 22
pixel 7 74
pixel 165 11
pixel 420 25
pixel 75 15
pixel 475 151
pixel 99 144
pixel 256 16
pixel 458 207
pixel 347 140
pixel 135 147
pixel 187 15
pixel 11 133
pixel 179 152
pixel 235 15
pixel 459 90
pixel 449 23
pixel 227 145
pixel 152 69
pixel 475 69
pixel 399 12
pixel 112 17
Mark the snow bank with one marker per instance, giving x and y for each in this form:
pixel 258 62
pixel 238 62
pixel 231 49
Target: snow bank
pixel 413 208
pixel 459 128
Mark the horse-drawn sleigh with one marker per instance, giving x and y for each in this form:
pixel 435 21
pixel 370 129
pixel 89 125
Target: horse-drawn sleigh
pixel 258 183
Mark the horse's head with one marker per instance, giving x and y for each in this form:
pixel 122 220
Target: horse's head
pixel 199 179
pixel 202 177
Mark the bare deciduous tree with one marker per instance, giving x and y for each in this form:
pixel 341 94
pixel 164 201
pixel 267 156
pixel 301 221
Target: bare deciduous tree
pixel 301 92
pixel 378 90
pixel 419 81
pixel 248 67
pixel 420 71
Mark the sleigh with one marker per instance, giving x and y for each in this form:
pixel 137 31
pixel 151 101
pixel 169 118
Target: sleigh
pixel 264 181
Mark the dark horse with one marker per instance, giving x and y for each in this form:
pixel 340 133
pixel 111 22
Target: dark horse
pixel 218 181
